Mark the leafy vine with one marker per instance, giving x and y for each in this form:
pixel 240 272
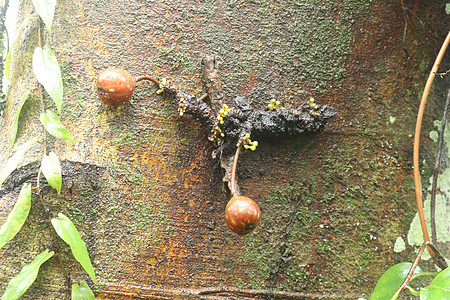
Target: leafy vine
pixel 48 75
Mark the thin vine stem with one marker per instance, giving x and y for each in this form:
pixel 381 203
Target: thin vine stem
pixel 38 180
pixel 417 181
pixel 411 270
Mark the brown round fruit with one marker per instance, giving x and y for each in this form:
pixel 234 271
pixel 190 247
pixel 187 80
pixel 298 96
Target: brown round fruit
pixel 115 86
pixel 242 215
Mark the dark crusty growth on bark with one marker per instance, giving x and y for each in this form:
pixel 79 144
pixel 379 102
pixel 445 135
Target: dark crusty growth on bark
pixel 243 119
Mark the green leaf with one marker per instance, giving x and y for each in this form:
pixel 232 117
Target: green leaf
pixel 17 216
pixel 391 280
pixel 67 231
pixel 52 170
pixel 19 284
pixel 7 65
pixel 82 292
pixel 46 10
pixel 439 287
pixel 16 120
pixel 14 160
pixel 48 73
pixel 53 125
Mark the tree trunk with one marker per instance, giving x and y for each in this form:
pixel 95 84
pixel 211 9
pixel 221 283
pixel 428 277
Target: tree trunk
pixel 140 182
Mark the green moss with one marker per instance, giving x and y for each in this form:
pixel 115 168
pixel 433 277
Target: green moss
pixel 296 275
pixel 302 47
pixel 128 172
pixel 170 230
pixel 143 215
pixel 179 59
pixel 167 110
pixel 280 242
pixel 76 215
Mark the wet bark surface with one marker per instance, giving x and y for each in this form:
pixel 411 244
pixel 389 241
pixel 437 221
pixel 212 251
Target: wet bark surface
pixel 142 187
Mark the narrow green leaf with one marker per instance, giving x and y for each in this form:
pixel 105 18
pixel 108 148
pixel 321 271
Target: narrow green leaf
pixel 391 280
pixel 16 120
pixel 19 284
pixel 52 170
pixel 67 231
pixel 48 73
pixel 439 287
pixel 7 65
pixel 53 125
pixel 14 160
pixel 17 216
pixel 82 292
pixel 46 10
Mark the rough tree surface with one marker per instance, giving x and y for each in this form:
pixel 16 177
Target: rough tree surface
pixel 140 183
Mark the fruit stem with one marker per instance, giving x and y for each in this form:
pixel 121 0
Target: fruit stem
pixel 145 77
pixel 233 172
pixel 203 96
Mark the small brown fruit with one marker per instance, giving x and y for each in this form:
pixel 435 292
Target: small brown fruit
pixel 242 215
pixel 115 86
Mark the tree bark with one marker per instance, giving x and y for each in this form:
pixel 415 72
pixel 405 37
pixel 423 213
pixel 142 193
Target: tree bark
pixel 140 182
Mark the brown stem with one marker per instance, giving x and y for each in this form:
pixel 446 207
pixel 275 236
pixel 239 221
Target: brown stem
pixel 413 267
pixel 417 183
pixel 233 172
pixel 145 77
pixel 203 96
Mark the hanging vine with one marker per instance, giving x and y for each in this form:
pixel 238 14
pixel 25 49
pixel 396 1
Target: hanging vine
pixel 48 75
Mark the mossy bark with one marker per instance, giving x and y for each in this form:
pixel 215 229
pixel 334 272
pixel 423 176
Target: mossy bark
pixel 140 183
